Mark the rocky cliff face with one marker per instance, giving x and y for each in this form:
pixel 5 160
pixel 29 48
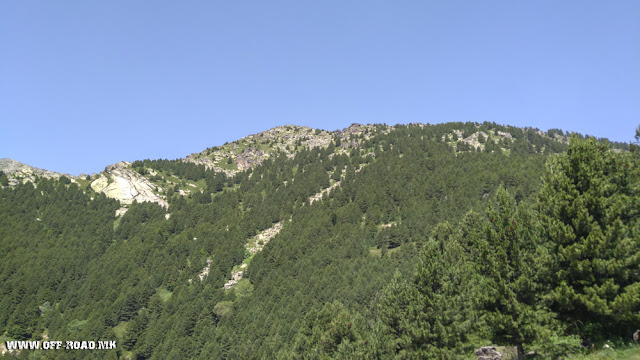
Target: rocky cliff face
pixel 121 183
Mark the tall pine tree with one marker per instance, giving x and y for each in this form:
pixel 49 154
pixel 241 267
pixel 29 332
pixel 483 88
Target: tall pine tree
pixel 590 204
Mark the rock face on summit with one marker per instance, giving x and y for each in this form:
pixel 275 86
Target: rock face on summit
pixel 249 158
pixel 119 182
pixel 252 150
pixel 18 172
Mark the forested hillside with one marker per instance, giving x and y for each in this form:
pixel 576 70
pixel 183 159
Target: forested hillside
pixel 412 241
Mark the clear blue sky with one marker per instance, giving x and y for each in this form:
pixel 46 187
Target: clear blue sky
pixel 84 84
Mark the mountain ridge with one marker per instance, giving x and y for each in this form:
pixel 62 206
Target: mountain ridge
pixel 120 182
pixel 310 137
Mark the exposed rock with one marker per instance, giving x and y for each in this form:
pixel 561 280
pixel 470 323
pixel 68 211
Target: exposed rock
pixel 18 172
pixel 249 158
pixel 488 353
pixel 121 211
pixel 253 246
pixel 4 350
pixel 206 270
pixel 357 129
pixel 230 284
pixel 236 275
pixel 254 149
pixel 321 140
pixel 320 194
pixel 121 183
pixel 353 129
pixel 265 236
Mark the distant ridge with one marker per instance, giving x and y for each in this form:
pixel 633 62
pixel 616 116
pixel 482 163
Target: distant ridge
pixel 18 172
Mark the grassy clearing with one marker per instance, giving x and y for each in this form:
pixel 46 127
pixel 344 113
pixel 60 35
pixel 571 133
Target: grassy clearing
pixel 378 252
pixel 243 288
pixel 116 223
pixel 164 294
pixel 245 261
pixel 625 353
pixel 223 164
pixel 234 187
pixel 82 183
pixel 120 329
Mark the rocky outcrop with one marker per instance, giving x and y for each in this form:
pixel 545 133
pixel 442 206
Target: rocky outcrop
pixel 121 211
pixel 500 353
pixel 210 162
pixel 4 350
pixel 488 353
pixel 249 158
pixel 206 270
pixel 263 238
pixel 235 277
pixel 322 192
pixel 121 183
pixel 288 139
pixel 229 284
pixel 254 245
pixel 18 172
pixel 357 129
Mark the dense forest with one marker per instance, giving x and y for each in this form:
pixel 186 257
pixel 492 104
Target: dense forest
pixel 411 244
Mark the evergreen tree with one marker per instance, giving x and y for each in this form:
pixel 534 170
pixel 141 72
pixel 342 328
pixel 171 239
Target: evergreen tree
pixel 511 266
pixel 4 181
pixel 590 205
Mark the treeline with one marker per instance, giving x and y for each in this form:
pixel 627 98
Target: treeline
pixel 215 181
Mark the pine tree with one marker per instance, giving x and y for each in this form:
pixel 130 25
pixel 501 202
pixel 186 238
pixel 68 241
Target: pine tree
pixel 431 316
pixel 4 181
pixel 512 271
pixel 590 205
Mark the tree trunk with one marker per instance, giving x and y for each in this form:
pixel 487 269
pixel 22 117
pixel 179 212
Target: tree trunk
pixel 520 351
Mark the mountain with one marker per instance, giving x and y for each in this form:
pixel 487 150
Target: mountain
pixel 120 182
pixel 375 241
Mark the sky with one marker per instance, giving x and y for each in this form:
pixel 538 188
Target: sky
pixel 84 84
